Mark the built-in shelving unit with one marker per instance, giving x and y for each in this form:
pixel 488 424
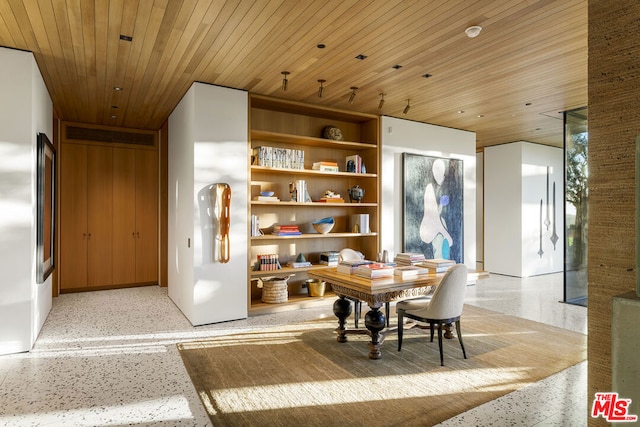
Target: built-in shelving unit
pixel 298 126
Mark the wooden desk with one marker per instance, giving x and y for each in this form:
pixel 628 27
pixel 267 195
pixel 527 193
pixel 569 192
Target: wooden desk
pixel 375 292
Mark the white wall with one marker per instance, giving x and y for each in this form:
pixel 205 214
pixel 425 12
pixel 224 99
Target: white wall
pixel 25 110
pixel 480 211
pixel 518 241
pixel 208 143
pixel 404 136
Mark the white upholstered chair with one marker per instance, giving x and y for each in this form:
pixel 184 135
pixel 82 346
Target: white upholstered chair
pixel 444 307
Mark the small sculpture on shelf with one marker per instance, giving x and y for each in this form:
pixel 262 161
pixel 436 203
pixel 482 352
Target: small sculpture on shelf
pixel 356 194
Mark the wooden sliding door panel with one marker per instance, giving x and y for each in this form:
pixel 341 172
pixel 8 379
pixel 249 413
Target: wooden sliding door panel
pixel 146 216
pixel 124 216
pixel 99 215
pixel 73 216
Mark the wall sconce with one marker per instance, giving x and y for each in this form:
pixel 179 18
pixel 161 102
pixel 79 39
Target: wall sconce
pixel 285 82
pixel 353 94
pixel 381 103
pixel 321 88
pixel 406 109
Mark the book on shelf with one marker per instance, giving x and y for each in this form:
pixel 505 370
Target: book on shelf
pixel 268 262
pixel 331 200
pixel 325 166
pixel 299 264
pixel 329 258
pixel 353 163
pixel 275 157
pixel 266 199
pixel 409 271
pixel 374 270
pixel 349 266
pixel 286 230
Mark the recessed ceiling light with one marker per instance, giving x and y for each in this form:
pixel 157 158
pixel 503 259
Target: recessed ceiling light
pixel 114 117
pixel 460 111
pixel 361 57
pixel 528 104
pixel 321 46
pixel 114 106
pixel 125 38
pixel 473 31
pixel 397 67
pixel 480 115
pixel 117 88
pixel 426 76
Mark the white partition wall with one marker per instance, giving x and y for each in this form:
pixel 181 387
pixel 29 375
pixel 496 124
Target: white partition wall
pixel 25 110
pixel 404 136
pixel 523 209
pixel 208 153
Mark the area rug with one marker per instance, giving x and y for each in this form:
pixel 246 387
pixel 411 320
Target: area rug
pixel 300 375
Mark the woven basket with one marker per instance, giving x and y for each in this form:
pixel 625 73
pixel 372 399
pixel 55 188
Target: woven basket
pixel 275 291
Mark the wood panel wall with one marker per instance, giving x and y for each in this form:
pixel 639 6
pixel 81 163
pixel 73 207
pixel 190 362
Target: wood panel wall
pixel 614 122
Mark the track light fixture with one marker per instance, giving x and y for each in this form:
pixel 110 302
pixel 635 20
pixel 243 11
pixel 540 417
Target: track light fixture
pixel 353 94
pixel 285 82
pixel 381 103
pixel 321 88
pixel 406 109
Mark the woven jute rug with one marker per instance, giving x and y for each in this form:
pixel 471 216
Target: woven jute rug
pixel 300 375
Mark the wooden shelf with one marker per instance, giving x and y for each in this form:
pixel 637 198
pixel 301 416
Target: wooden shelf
pixel 295 302
pixel 312 236
pixel 285 271
pixel 315 204
pixel 286 138
pixel 311 172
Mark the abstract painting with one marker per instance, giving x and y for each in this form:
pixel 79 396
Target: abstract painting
pixel 433 206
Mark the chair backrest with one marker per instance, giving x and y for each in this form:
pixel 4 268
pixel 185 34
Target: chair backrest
pixel 448 299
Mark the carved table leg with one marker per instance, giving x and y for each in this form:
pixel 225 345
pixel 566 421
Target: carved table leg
pixel 342 310
pixel 375 321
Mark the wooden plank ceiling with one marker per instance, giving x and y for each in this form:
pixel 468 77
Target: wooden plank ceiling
pixel 508 84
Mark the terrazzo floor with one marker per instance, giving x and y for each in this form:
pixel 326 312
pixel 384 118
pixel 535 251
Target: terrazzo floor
pixel 109 358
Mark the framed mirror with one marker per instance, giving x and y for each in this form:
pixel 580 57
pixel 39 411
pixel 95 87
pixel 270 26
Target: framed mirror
pixel 45 249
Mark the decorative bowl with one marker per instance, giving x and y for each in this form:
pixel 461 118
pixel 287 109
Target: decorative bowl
pixel 324 225
pixel 267 193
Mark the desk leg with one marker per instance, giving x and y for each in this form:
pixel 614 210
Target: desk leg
pixel 342 310
pixel 375 321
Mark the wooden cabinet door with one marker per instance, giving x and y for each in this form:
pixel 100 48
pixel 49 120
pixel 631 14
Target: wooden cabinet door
pixel 99 212
pixel 146 216
pixel 73 216
pixel 124 216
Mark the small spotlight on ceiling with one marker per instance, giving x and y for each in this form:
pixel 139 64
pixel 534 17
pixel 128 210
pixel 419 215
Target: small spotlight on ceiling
pixel 321 88
pixel 381 103
pixel 117 88
pixel 407 108
pixel 460 111
pixel 397 67
pixel 321 46
pixel 125 38
pixel 285 82
pixel 473 31
pixel 361 57
pixel 426 76
pixel 352 97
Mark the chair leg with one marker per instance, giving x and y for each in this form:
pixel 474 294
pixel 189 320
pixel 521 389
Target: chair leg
pixel 440 343
pixel 464 353
pixel 400 329
pixel 357 307
pixel 431 327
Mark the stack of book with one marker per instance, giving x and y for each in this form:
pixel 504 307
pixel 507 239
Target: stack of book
pixel 299 264
pixel 409 271
pixel 374 270
pixel 325 166
pixel 408 258
pixel 286 230
pixel 266 199
pixel 331 197
pixel 329 258
pixel 268 262
pixel 437 265
pixel 350 266
pixel 354 164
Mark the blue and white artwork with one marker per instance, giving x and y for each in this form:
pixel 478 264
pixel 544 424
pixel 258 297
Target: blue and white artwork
pixel 433 206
